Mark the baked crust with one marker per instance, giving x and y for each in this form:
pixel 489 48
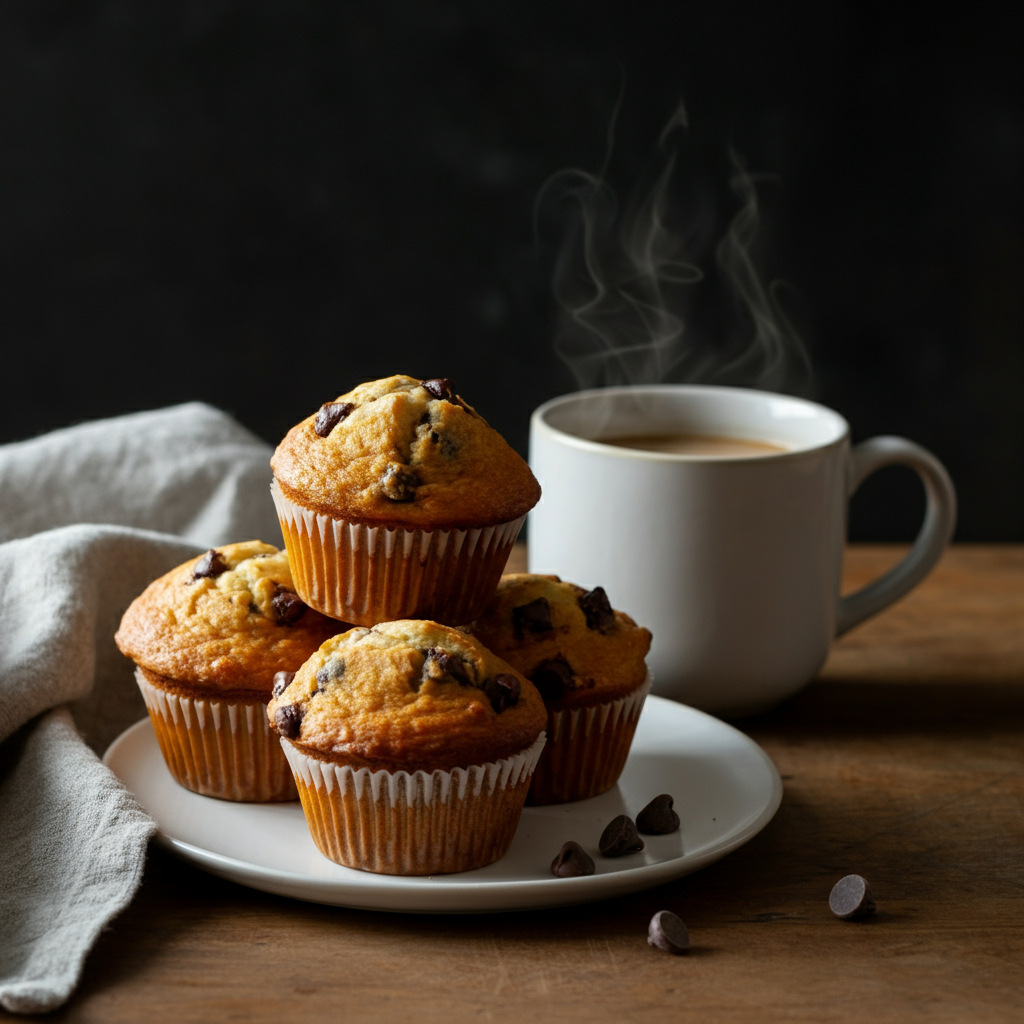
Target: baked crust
pixel 409 695
pixel 605 656
pixel 402 457
pixel 222 636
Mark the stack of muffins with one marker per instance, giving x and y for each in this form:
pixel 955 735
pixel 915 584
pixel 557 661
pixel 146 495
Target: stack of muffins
pixel 382 666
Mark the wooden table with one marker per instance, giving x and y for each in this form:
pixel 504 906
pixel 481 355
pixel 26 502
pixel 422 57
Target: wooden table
pixel 903 763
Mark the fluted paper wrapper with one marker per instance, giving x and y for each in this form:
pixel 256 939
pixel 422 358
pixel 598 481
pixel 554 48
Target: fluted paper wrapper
pixel 370 574
pixel 219 749
pixel 587 749
pixel 402 823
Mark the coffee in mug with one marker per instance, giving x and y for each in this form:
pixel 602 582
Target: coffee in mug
pixel 697 444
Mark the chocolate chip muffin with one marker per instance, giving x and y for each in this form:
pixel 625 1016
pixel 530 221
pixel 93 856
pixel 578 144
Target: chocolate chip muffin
pixel 397 500
pixel 208 639
pixel 587 661
pixel 412 747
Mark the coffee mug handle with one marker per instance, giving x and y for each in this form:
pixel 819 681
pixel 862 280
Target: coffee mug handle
pixel 935 533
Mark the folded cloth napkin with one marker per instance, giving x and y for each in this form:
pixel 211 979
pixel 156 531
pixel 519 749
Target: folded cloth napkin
pixel 88 517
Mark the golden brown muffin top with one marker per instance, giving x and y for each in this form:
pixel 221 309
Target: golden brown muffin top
pixel 569 641
pixel 221 625
pixel 404 452
pixel 407 695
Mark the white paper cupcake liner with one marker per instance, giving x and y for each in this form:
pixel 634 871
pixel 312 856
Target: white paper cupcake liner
pixel 587 749
pixel 416 823
pixel 369 574
pixel 219 749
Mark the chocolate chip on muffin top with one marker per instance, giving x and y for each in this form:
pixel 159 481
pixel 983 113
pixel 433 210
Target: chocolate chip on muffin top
pixel 410 694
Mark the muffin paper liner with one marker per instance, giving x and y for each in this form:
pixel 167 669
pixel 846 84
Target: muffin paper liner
pixel 370 574
pixel 413 823
pixel 587 749
pixel 218 749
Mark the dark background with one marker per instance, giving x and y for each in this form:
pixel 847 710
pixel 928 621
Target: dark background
pixel 261 204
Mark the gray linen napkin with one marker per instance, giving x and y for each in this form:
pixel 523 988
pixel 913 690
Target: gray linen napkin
pixel 79 515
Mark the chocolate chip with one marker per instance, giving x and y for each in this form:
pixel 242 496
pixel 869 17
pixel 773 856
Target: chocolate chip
pixel 502 691
pixel 288 607
pixel 288 720
pixel 554 679
pixel 620 838
pixel 330 415
pixel 333 669
pixel 658 818
pixel 851 897
pixel 668 933
pixel 434 437
pixel 572 862
pixel 209 566
pixel 596 608
pixel 440 665
pixel 399 482
pixel 282 680
pixel 534 617
pixel 439 387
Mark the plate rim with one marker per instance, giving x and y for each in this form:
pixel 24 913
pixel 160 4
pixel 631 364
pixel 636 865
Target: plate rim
pixel 586 889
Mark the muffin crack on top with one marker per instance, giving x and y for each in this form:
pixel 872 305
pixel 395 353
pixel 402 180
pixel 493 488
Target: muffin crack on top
pixel 404 452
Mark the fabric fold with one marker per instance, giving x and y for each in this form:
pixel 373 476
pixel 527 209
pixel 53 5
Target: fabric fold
pixel 89 516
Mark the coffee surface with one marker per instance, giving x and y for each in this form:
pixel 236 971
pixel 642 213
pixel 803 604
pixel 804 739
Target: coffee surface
pixel 709 446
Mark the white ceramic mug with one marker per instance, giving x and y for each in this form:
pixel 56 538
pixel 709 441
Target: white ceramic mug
pixel 733 563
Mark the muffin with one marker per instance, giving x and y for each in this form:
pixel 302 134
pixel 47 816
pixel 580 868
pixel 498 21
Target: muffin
pixel 397 500
pixel 587 660
pixel 412 747
pixel 208 640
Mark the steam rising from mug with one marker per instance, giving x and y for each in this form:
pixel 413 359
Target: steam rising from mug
pixel 624 283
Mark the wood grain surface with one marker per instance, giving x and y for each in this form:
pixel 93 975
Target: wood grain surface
pixel 903 763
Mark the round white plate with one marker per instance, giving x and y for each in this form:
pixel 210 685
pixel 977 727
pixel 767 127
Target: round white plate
pixel 725 787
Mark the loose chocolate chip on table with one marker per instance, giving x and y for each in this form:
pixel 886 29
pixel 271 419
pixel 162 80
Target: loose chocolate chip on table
pixel 851 897
pixel 620 837
pixel 553 678
pixel 534 617
pixel 658 818
pixel 333 669
pixel 330 415
pixel 210 565
pixel 282 680
pixel 288 606
pixel 399 482
pixel 288 720
pixel 502 691
pixel 668 933
pixel 439 387
pixel 596 608
pixel 572 861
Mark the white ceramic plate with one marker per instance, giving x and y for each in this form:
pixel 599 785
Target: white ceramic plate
pixel 726 790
